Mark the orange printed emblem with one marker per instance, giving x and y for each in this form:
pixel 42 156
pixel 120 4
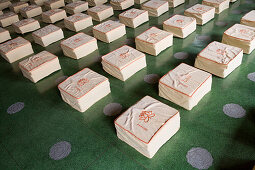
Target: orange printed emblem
pixel 244 31
pixel 146 116
pixel 180 21
pixel 77 17
pixel 30 7
pixel 155 3
pixel 13 44
pixel 124 55
pixel 133 13
pixel 152 37
pixel 220 51
pixel 98 8
pixel 25 21
pixel 200 8
pixel 36 59
pixel 108 25
pixel 186 79
pixel 182 79
pixel 81 82
pixel 77 40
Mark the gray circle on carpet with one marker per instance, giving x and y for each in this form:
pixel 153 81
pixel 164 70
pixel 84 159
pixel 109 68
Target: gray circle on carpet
pixel 61 79
pixel 60 150
pixel 116 19
pixel 97 58
pixel 248 2
pixel 199 158
pixel 204 38
pixel 181 55
pixel 236 11
pixel 16 107
pixel 221 23
pixel 234 110
pixel 251 76
pixel 129 41
pixel 112 109
pixel 151 78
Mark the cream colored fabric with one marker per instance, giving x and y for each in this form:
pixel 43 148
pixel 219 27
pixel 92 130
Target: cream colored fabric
pixel 4 4
pixel 48 35
pixel 39 66
pixel 121 4
pixel 140 1
pixel 249 19
pixel 53 15
pixel 185 85
pixel 123 62
pixel 175 3
pixel 202 13
pixel 219 5
pixel 26 25
pixel 4 35
pixel 101 12
pixel 107 26
pixel 139 125
pixel 15 49
pixel 96 2
pixel 219 59
pixel 181 26
pixel 79 45
pixel 8 19
pixel 241 36
pixel 155 7
pixel 109 31
pixel 38 2
pixel 83 89
pixel 31 11
pixel 76 7
pixel 70 1
pixel 153 41
pixel 54 4
pixel 78 22
pixel 15 7
pixel 134 17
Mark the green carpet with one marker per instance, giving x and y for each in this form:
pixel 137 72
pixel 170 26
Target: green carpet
pixel 27 136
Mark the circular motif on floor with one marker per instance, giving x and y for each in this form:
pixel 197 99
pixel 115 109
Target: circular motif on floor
pixel 61 79
pixel 204 38
pixel 236 11
pixel 234 110
pixel 60 150
pixel 97 58
pixel 181 55
pixel 249 2
pixel 199 158
pixel 251 76
pixel 112 109
pixel 221 23
pixel 129 41
pixel 116 19
pixel 151 78
pixel 16 107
